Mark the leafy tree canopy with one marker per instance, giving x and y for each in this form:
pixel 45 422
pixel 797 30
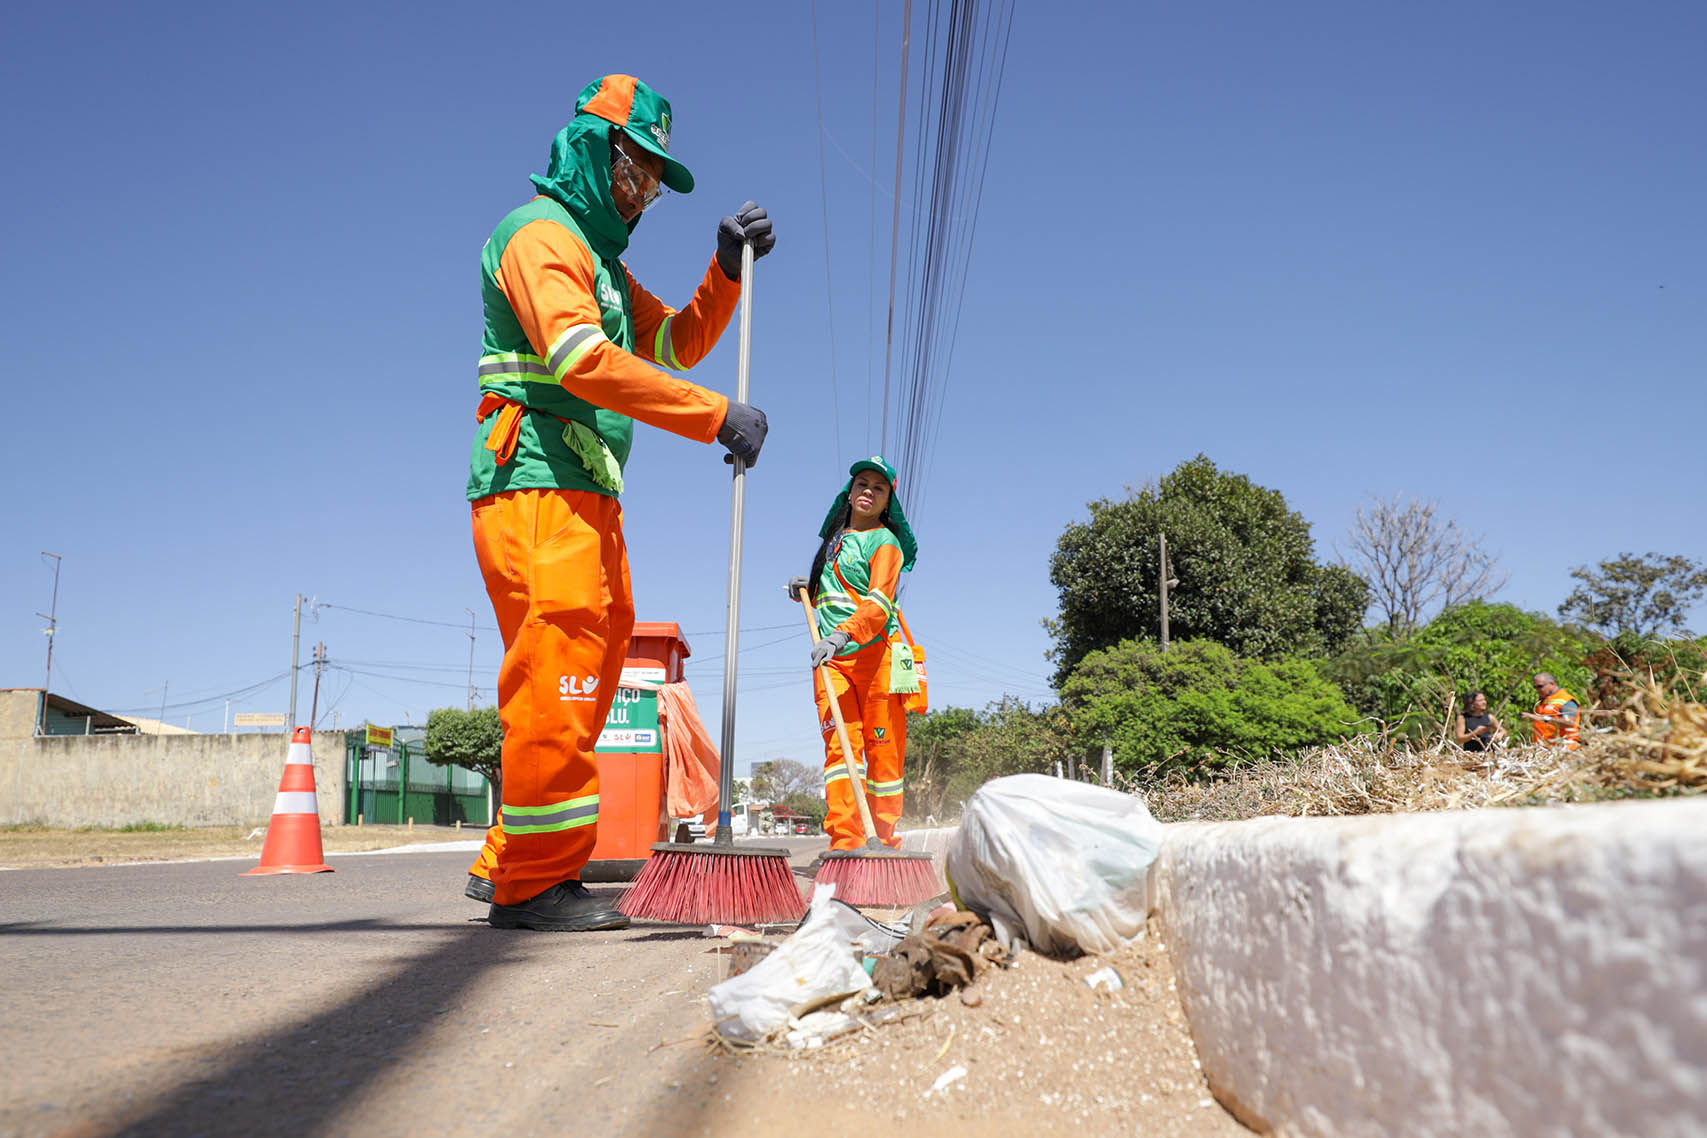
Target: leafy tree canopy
pixel 472 739
pixel 1244 562
pixel 1646 597
pixel 1198 707
pixel 780 780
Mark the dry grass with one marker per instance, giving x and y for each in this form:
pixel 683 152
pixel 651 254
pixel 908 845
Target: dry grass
pixel 1654 745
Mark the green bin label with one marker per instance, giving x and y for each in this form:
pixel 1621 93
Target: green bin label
pixel 632 725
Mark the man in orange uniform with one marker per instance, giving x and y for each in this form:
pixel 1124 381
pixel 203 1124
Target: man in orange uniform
pixel 565 369
pixel 1555 719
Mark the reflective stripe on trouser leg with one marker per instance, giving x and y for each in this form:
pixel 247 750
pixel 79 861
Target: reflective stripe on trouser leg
pixel 851 677
pixel 885 754
pixel 556 570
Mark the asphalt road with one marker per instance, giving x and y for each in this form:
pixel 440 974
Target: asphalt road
pixel 185 999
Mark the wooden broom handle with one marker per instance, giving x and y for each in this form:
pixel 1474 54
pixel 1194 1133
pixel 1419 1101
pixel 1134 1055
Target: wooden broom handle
pixel 855 781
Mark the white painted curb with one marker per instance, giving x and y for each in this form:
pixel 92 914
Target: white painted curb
pixel 1492 972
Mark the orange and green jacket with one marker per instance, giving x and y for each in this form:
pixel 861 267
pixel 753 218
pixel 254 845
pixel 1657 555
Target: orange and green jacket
pixel 569 336
pixel 1560 705
pixel 856 590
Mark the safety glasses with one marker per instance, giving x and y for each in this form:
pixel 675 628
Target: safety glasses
pixel 634 178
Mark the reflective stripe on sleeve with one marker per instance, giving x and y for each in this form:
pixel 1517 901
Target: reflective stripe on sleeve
pixel 514 365
pixel 664 348
pixel 551 818
pixel 577 340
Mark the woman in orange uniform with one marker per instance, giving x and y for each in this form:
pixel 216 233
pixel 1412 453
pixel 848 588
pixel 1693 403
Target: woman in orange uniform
pixel 866 546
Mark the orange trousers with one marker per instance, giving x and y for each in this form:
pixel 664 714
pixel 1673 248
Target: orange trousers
pixel 877 731
pixel 556 568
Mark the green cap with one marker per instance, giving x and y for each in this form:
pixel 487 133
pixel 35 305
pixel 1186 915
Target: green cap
pixel 894 517
pixel 643 115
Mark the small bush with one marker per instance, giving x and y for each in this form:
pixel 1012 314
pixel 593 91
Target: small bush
pixel 1198 708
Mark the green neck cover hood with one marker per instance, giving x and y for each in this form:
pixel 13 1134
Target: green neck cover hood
pixel 579 177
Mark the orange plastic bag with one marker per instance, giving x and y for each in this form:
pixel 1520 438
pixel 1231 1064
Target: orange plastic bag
pixel 691 762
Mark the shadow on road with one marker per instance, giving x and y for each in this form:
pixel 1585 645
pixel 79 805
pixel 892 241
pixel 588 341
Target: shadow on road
pixel 298 1079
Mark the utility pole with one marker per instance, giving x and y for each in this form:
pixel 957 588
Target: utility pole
pixel 1167 583
pixel 51 616
pixel 295 642
pixel 227 717
pixel 470 613
pixel 319 663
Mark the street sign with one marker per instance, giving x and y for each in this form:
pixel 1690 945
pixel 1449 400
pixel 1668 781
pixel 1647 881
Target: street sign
pixel 378 736
pixel 258 719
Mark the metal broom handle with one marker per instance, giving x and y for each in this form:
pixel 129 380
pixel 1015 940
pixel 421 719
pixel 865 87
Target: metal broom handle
pixel 732 634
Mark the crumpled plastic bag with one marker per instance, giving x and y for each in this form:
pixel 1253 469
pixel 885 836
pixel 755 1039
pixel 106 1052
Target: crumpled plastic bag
pixel 1058 864
pixel 871 937
pixel 815 964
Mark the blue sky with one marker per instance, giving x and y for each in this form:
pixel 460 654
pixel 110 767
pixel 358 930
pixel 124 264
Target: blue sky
pixel 1452 251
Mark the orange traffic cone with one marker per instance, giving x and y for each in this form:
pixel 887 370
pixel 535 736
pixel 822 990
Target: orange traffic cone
pixel 293 835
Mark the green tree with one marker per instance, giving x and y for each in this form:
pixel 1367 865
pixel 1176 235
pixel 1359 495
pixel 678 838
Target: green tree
pixel 472 739
pixel 1647 597
pixel 1244 561
pixel 936 752
pixel 1198 707
pixel 954 751
pixel 1410 684
pixel 780 780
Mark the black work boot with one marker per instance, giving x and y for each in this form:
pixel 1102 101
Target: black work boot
pixel 566 907
pixel 479 888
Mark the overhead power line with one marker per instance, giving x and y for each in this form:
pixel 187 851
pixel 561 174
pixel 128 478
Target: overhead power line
pixel 964 55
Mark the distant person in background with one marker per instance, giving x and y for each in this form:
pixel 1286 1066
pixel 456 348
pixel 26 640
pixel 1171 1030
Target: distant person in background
pixel 1555 718
pixel 1478 730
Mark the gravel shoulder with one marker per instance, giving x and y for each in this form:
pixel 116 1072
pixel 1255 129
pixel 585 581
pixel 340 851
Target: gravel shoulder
pixel 27 847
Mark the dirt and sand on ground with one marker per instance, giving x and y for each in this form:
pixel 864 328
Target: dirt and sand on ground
pixel 36 847
pixel 1030 1045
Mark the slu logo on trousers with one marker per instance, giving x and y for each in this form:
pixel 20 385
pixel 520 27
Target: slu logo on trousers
pixel 576 689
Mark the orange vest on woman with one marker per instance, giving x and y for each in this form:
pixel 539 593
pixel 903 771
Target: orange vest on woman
pixel 1554 734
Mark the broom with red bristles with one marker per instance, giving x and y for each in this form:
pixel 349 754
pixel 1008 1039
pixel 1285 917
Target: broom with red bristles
pixel 719 884
pixel 873 874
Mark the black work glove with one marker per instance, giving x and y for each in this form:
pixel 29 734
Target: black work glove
pixel 743 432
pixel 795 584
pixel 750 223
pixel 828 647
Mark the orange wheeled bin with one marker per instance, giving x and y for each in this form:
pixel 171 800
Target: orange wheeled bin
pixel 633 814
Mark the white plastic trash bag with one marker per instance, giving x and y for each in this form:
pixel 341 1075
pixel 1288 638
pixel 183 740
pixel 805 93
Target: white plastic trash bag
pixel 1061 864
pixel 815 963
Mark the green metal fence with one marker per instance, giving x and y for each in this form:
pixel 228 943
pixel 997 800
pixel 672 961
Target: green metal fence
pixel 398 784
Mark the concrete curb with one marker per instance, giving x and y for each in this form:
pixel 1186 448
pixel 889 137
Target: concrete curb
pixel 1492 972
pixel 1532 971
